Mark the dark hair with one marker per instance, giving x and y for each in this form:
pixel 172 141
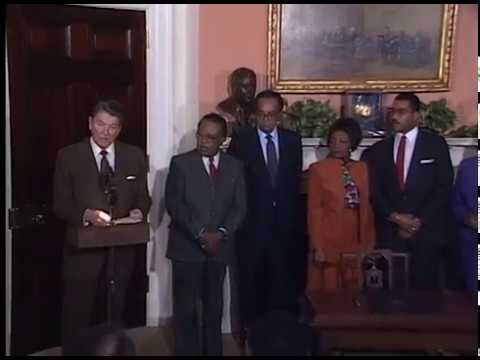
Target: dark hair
pixel 237 74
pixel 111 107
pixel 101 340
pixel 269 94
pixel 412 99
pixel 280 333
pixel 349 126
pixel 216 119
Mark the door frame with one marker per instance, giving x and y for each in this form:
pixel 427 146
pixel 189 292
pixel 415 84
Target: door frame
pixel 172 114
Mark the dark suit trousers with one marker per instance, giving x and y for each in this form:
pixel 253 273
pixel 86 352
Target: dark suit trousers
pixel 85 288
pixel 197 307
pixel 267 275
pixel 424 259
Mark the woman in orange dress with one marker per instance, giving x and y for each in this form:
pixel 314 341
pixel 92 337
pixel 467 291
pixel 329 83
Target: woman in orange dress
pixel 340 218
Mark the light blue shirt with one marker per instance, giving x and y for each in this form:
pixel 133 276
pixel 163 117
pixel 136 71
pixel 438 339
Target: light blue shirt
pixel 263 141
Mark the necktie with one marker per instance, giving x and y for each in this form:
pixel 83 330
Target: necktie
pixel 401 161
pixel 212 168
pixel 272 162
pixel 106 171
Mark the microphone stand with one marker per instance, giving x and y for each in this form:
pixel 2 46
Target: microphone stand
pixel 110 192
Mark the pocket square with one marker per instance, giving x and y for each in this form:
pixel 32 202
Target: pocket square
pixel 427 161
pixel 130 177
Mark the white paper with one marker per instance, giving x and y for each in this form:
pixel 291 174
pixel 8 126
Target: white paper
pixel 126 220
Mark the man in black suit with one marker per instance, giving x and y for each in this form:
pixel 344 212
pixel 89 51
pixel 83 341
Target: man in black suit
pixel 80 200
pixel 205 197
pixel 412 176
pixel 270 248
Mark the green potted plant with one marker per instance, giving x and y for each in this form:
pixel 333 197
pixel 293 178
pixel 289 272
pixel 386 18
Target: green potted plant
pixel 438 116
pixel 309 118
pixel 464 131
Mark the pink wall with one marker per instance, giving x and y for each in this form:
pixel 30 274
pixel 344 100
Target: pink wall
pixel 236 35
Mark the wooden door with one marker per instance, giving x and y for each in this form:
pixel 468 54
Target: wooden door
pixel 62 59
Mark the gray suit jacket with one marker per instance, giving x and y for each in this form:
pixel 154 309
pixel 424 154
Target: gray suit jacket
pixel 195 202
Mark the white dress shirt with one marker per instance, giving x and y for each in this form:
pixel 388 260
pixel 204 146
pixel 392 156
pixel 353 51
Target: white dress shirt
pixel 98 157
pixel 206 162
pixel 263 142
pixel 409 147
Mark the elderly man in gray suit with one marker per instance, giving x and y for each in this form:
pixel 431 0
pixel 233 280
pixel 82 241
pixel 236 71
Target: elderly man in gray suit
pixel 205 197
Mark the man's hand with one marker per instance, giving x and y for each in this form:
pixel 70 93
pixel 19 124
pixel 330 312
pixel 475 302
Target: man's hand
pixel 405 234
pixel 212 241
pixel 407 223
pixel 97 217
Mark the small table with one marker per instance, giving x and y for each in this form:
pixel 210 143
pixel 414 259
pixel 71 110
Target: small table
pixel 387 320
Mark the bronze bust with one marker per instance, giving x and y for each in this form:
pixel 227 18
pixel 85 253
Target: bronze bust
pixel 239 108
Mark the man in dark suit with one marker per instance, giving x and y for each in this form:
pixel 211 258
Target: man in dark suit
pixel 411 178
pixel 80 200
pixel 205 197
pixel 270 248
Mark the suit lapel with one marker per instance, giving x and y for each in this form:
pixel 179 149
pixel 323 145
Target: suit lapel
pixel 119 159
pixel 417 151
pixel 222 177
pixel 391 160
pixel 259 158
pixel 200 167
pixel 88 154
pixel 92 172
pixel 222 169
pixel 283 153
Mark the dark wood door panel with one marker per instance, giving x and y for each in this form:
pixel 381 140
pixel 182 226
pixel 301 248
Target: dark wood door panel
pixel 62 60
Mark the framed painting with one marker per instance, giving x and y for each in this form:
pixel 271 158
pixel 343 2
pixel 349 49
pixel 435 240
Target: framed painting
pixel 322 48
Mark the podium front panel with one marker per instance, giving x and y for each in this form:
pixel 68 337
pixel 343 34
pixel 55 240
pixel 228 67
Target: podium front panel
pixel 116 235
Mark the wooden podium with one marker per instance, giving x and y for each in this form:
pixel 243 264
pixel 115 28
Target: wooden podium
pixel 109 237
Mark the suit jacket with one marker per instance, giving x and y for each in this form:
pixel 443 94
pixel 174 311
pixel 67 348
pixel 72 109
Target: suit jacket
pixel 77 185
pixel 270 206
pixel 195 202
pixel 76 188
pixel 426 192
pixel 464 198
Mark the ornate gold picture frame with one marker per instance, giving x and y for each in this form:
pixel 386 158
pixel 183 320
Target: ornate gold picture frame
pixel 327 48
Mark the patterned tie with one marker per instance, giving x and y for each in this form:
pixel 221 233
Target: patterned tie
pixel 272 162
pixel 106 171
pixel 400 162
pixel 213 169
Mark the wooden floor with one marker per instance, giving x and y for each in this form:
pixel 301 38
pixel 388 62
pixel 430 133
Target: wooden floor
pixel 157 341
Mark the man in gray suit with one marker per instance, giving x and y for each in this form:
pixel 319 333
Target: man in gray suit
pixel 205 197
pixel 80 200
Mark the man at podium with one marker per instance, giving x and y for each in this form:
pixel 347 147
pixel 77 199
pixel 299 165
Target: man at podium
pixel 96 181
